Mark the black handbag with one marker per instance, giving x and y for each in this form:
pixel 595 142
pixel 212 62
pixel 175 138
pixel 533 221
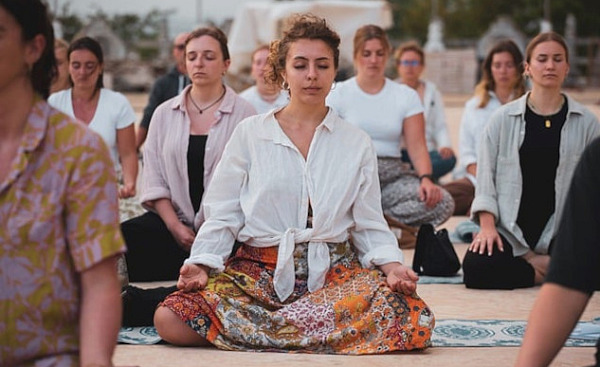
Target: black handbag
pixel 434 253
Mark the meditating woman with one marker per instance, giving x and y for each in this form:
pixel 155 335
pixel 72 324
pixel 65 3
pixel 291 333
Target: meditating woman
pixel 526 159
pixel 59 234
pixel 293 186
pixel 410 63
pixel 501 82
pixel 264 96
pixel 391 113
pixel 185 141
pixel 106 112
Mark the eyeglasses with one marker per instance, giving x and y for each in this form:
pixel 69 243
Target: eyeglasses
pixel 180 47
pixel 409 62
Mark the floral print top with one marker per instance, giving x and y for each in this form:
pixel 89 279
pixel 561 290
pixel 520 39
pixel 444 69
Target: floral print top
pixel 58 217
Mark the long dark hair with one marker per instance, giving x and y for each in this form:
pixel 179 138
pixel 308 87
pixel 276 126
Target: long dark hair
pixel 32 16
pixel 487 83
pixel 93 46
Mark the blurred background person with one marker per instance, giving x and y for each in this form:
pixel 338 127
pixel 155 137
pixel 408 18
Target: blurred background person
pixel 61 81
pixel 391 113
pixel 165 87
pixel 106 112
pixel 525 163
pixel 410 63
pixel 501 82
pixel 59 234
pixel 263 96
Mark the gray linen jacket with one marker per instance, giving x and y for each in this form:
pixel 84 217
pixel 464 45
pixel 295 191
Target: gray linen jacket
pixel 499 180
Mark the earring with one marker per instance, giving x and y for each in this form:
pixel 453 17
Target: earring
pixel 285 85
pixel 333 85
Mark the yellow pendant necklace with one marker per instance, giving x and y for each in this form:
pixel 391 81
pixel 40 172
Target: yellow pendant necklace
pixel 546 118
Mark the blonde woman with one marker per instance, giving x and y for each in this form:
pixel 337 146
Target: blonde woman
pixel 264 96
pixel 390 113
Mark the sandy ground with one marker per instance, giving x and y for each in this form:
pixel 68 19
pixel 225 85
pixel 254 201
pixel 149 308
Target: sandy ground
pixel 448 301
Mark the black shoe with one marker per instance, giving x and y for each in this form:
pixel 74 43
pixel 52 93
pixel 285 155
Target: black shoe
pixel 139 304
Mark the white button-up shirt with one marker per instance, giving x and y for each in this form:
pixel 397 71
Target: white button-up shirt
pixel 261 191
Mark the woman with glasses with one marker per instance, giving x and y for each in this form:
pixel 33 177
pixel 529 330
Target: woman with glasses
pixel 410 63
pixel 106 112
pixel 391 113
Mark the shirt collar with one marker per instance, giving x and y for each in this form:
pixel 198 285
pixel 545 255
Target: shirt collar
pixel 519 106
pixel 272 130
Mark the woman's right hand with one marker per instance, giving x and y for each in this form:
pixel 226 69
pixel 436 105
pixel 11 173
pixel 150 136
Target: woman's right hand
pixel 488 236
pixel 192 277
pixel 485 240
pixel 183 235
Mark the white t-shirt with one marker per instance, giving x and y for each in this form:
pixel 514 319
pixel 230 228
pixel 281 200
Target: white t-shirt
pixel 251 95
pixel 113 112
pixel 472 125
pixel 381 115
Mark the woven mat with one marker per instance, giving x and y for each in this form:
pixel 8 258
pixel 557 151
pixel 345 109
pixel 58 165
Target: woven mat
pixel 447 333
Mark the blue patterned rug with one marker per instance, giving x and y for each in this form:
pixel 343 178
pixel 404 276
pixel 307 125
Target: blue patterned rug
pixel 447 333
pixel 455 279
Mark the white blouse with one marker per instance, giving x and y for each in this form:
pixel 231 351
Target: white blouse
pixel 261 191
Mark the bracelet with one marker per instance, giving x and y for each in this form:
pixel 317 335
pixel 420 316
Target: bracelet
pixel 427 175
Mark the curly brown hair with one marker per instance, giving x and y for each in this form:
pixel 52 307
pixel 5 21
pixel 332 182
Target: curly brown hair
pixel 300 26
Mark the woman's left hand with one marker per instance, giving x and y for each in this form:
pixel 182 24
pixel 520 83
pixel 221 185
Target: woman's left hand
pixel 446 153
pixel 400 278
pixel 127 191
pixel 429 192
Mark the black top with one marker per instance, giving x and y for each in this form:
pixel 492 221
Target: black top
pixel 195 161
pixel 575 260
pixel 164 88
pixel 538 156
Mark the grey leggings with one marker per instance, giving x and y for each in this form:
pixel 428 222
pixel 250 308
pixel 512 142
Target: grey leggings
pixel 400 196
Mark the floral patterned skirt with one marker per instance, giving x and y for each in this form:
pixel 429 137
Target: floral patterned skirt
pixel 354 313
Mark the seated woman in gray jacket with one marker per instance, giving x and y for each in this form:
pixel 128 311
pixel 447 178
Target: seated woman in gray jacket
pixel 526 159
